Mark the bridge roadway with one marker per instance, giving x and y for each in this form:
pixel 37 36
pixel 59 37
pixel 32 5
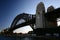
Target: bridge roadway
pixel 51 16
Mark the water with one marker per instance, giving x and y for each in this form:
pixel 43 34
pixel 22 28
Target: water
pixel 17 38
pixel 26 38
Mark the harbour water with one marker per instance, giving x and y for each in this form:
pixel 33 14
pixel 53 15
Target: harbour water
pixel 2 37
pixel 17 38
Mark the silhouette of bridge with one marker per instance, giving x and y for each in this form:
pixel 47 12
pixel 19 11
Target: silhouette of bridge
pixel 30 19
pixel 46 26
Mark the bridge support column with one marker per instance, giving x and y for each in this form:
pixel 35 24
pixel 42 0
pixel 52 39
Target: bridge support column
pixel 51 24
pixel 40 18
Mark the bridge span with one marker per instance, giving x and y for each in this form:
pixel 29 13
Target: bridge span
pixel 30 19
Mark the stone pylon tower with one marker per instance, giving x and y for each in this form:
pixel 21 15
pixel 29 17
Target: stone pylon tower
pixel 50 24
pixel 40 19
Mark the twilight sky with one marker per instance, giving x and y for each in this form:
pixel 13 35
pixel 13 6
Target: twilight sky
pixel 9 9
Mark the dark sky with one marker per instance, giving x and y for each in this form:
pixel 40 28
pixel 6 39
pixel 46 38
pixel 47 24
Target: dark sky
pixel 9 9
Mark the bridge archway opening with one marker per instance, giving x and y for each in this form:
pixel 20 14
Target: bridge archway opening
pixel 20 21
pixel 23 30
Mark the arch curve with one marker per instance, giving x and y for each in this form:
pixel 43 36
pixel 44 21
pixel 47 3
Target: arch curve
pixel 24 16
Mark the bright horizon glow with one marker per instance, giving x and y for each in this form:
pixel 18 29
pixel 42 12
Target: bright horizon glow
pixel 23 30
pixel 58 21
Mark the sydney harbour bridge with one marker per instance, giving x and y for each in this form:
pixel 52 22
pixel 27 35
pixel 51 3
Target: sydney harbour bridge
pixel 44 21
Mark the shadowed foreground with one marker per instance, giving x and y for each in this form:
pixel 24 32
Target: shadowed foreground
pixel 28 38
